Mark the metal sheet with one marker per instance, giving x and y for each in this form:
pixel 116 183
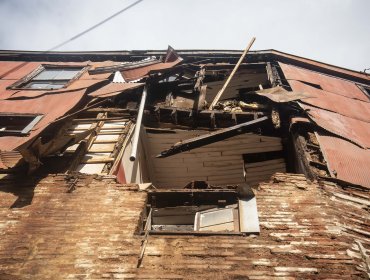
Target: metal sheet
pixel 142 72
pixel 346 161
pixel 114 89
pixel 351 129
pixel 327 83
pixel 280 95
pixel 52 104
pixel 353 108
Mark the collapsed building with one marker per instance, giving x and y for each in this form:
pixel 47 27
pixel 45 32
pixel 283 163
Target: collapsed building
pixel 132 165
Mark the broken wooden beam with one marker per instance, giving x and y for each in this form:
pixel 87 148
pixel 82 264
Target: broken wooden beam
pixel 210 138
pixel 219 94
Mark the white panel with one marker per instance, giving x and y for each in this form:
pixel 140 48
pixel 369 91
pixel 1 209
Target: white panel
pixel 248 216
pixel 214 220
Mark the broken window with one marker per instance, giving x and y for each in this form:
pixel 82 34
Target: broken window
pixel 49 77
pixel 17 124
pixel 217 211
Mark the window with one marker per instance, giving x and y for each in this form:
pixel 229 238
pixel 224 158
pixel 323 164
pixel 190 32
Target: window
pixel 47 77
pixel 365 89
pixel 17 124
pixel 211 211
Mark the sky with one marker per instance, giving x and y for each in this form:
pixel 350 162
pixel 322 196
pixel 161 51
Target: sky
pixel 332 31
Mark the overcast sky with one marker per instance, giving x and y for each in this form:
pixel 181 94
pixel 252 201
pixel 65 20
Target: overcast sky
pixel 331 31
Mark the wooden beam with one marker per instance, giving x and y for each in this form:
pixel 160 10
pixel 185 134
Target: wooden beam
pixel 209 138
pixel 219 94
pixel 98 160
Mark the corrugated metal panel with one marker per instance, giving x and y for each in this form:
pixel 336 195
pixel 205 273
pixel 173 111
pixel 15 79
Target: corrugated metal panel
pixel 52 104
pixel 327 83
pixel 351 129
pixel 138 73
pixel 346 161
pixel 341 108
pixel 334 102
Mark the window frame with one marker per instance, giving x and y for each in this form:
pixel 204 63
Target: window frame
pixel 26 130
pixel 21 83
pixel 365 89
pixel 146 222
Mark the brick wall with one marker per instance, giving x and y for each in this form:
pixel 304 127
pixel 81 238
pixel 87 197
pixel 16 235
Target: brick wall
pixel 86 230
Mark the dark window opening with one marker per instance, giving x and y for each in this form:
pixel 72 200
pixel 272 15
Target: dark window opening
pixel 263 156
pixel 200 212
pixel 48 77
pixel 16 124
pixel 259 167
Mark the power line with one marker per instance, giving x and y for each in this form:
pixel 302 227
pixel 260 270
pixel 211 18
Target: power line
pixel 75 37
pixel 95 26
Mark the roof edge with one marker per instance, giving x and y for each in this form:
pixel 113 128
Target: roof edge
pixel 23 54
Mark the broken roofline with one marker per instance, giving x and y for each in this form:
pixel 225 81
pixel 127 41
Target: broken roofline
pixel 189 56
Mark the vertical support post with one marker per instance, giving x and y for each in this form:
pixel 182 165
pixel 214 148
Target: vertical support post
pixel 219 94
pixel 135 138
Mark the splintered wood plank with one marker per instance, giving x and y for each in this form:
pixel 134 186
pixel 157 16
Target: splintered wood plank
pixel 96 148
pixel 113 125
pixel 97 160
pixel 110 131
pixel 106 138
